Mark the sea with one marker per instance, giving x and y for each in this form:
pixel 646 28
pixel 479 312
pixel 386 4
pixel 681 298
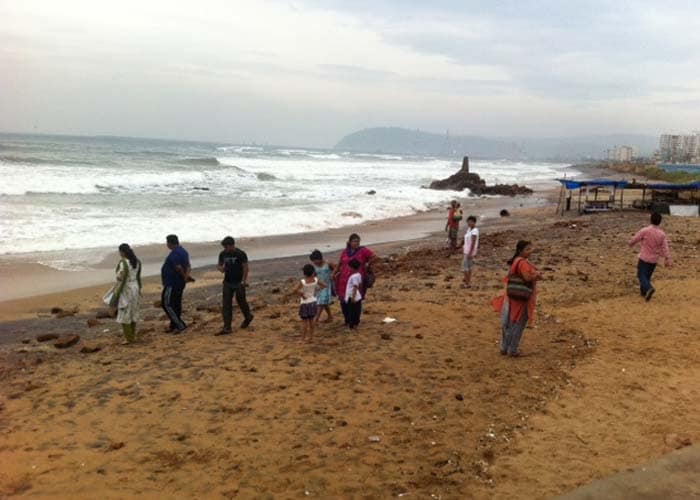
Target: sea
pixel 77 193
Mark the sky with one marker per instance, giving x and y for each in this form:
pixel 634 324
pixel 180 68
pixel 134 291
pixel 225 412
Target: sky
pixel 307 72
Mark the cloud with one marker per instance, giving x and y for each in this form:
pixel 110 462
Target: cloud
pixel 308 72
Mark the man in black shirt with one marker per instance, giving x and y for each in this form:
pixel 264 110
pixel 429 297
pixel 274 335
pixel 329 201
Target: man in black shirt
pixel 233 263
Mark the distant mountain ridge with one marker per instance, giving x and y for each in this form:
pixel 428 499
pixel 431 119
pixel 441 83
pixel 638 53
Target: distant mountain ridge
pixel 398 140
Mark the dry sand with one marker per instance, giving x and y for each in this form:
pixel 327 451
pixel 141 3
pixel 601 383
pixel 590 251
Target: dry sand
pixel 424 407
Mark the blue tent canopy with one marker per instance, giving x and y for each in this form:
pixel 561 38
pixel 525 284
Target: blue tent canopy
pixel 572 184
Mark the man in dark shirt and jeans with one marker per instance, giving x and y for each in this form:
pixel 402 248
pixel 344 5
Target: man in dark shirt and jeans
pixel 233 262
pixel 174 274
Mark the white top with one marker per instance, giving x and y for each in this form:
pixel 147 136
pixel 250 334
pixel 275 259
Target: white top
pixel 309 291
pixel 355 280
pixel 468 241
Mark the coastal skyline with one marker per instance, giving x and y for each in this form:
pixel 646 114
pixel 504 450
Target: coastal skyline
pixel 310 72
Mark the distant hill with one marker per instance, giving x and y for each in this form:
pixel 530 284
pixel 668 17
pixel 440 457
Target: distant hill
pixel 405 141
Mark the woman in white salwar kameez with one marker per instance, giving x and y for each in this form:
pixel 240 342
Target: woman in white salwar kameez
pixel 128 290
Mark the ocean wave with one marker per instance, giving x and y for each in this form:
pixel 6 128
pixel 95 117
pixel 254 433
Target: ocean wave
pixel 241 149
pixel 379 156
pixel 207 161
pixel 32 160
pixel 147 152
pixel 325 156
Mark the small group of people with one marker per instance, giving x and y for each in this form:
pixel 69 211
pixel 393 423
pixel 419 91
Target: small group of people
pixel 349 280
pixel 517 304
pixel 470 243
pixel 321 281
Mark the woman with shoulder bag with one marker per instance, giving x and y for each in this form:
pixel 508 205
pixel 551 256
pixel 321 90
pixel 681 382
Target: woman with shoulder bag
pixel 517 304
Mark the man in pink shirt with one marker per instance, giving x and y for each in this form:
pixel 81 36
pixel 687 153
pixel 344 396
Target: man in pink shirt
pixel 654 245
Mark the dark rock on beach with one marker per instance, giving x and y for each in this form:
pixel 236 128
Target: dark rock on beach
pixel 463 179
pixel 65 341
pixel 46 337
pixel 89 349
pixel 103 313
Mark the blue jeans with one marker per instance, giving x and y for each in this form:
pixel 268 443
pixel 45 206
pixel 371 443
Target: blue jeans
pixel 644 272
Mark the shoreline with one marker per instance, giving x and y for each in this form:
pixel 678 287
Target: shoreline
pixel 30 279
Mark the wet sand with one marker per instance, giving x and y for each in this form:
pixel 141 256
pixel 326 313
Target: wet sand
pixel 421 408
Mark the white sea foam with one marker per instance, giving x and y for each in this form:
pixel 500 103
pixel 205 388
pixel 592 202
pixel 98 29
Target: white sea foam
pixel 200 193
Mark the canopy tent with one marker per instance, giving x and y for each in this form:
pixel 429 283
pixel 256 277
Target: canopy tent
pixel 597 204
pixel 572 184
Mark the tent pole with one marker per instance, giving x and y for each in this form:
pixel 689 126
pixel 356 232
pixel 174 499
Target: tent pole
pixel 622 197
pixel 579 199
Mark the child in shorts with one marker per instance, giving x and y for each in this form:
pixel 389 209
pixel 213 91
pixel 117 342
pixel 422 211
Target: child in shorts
pixel 308 308
pixel 324 272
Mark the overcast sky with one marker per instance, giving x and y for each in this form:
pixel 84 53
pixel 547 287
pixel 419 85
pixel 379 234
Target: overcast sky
pixel 309 71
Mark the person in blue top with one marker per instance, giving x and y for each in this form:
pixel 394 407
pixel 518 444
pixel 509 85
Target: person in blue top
pixel 175 274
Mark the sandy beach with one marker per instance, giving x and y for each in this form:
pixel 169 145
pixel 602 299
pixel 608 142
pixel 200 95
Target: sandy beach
pixel 423 407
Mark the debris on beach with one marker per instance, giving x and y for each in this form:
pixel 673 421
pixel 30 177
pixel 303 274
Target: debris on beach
pixel 46 337
pixel 388 320
pixel 65 341
pixel 103 313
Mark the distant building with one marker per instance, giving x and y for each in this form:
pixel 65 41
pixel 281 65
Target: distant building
pixel 621 153
pixel 679 148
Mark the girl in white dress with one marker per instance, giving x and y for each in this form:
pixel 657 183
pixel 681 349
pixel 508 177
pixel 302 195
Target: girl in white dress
pixel 308 308
pixel 128 291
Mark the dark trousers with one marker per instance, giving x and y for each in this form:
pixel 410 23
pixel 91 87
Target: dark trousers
pixel 171 301
pixel 352 311
pixel 644 272
pixel 231 289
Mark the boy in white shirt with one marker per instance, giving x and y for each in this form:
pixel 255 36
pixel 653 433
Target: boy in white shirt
pixel 352 309
pixel 471 246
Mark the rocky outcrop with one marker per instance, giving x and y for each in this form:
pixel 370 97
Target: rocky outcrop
pixel 465 180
